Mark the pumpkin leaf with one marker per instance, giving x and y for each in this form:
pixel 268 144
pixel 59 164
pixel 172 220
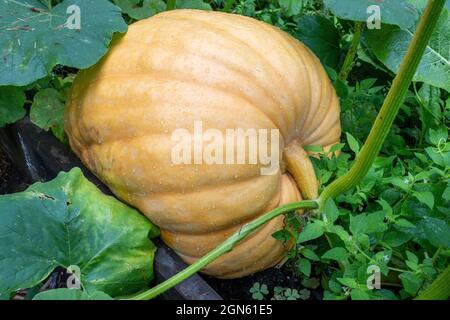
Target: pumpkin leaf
pixel 34 38
pixel 192 4
pixel 321 36
pixel 138 9
pixel 47 112
pixel 69 222
pixel 71 294
pixel 389 44
pixel 394 12
pixel 12 100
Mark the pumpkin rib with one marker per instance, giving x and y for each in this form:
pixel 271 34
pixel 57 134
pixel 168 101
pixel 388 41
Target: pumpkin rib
pixel 301 103
pixel 194 82
pixel 319 109
pixel 273 256
pixel 204 187
pixel 202 237
pixel 324 125
pixel 331 137
pixel 312 77
pixel 288 193
pixel 225 212
pixel 257 251
pixel 305 139
pixel 325 103
pixel 255 50
pixel 222 91
pixel 282 126
pixel 228 64
pixel 237 39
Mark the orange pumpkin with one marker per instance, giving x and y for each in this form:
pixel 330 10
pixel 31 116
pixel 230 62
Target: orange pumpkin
pixel 227 71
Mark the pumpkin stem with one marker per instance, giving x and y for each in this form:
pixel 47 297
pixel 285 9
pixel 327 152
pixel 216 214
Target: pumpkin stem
pixel 299 165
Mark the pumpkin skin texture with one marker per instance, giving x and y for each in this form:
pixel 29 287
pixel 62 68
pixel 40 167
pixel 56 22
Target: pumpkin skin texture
pixel 227 71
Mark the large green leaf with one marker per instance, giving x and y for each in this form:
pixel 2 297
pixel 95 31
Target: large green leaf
pixel 71 294
pixel 321 36
pixel 69 222
pixel 34 38
pixel 138 9
pixel 395 12
pixel 12 100
pixel 390 43
pixel 47 111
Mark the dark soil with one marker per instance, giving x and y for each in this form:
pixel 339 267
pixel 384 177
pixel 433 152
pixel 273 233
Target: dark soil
pixel 10 179
pixel 239 289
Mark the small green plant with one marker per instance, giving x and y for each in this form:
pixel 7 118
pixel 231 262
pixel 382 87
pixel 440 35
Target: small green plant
pixel 281 293
pixel 259 291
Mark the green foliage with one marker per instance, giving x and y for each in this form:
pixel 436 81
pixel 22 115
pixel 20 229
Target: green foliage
pixel 259 291
pixel 192 4
pixel 71 294
pixel 291 7
pixel 395 12
pixel 138 9
pixel 69 222
pixel 281 293
pixel 396 218
pixel 321 36
pixel 12 100
pixel 389 44
pixel 47 111
pixel 34 38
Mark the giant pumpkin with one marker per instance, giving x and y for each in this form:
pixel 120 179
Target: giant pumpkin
pixel 226 71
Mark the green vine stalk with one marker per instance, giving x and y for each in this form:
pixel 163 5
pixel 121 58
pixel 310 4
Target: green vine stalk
pixel 360 168
pixel 391 105
pixel 223 248
pixel 439 289
pixel 351 54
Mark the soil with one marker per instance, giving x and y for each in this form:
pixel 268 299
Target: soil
pixel 239 289
pixel 10 179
